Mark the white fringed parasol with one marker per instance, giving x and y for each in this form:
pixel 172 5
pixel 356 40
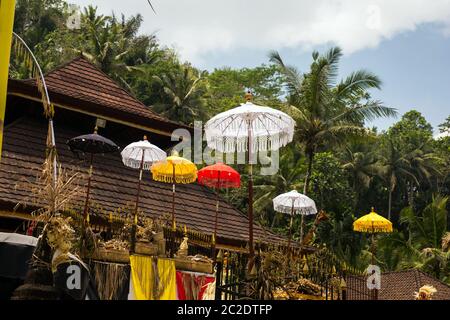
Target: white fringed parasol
pixel 251 128
pixel 293 203
pixel 268 128
pixel 140 155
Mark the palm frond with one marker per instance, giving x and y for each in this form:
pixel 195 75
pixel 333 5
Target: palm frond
pixel 356 82
pixel 292 75
pixel 369 111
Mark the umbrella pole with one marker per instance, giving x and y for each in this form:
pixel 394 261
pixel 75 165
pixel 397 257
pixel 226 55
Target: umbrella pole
pixel 217 217
pixel 133 230
pixel 86 204
pixel 290 225
pixel 173 198
pixel 250 197
pixel 373 249
pixel 301 229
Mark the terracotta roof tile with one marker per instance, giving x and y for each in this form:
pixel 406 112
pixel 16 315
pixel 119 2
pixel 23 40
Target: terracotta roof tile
pixel 92 89
pixel 398 285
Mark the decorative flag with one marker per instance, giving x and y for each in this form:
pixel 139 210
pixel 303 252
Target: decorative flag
pixel 6 27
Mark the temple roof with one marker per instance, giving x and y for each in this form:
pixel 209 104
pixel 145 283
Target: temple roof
pixel 81 86
pixel 398 285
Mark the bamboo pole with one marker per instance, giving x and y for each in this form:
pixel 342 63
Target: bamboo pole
pixel 250 196
pixel 290 224
pixel 86 204
pixel 217 215
pixel 173 198
pixel 134 227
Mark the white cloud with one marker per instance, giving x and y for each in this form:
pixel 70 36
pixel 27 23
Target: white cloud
pixel 199 27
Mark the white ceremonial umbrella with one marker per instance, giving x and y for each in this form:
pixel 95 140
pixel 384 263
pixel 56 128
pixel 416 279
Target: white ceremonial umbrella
pixel 251 128
pixel 293 203
pixel 141 155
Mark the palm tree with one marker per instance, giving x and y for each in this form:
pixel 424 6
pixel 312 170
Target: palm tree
pixel 183 94
pixel 411 167
pixel 109 43
pixel 430 226
pixel 424 165
pixel 362 165
pixel 396 165
pixel 423 244
pixel 328 112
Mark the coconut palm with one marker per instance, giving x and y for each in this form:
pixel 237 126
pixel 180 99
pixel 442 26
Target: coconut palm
pixel 424 165
pixel 396 165
pixel 183 94
pixel 328 112
pixel 424 242
pixel 362 164
pixel 408 167
pixel 110 43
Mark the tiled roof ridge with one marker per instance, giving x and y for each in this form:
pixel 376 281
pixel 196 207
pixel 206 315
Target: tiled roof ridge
pixel 418 275
pixel 81 62
pixel 423 273
pixel 91 64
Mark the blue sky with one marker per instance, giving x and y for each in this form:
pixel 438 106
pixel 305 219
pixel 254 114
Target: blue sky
pixel 406 43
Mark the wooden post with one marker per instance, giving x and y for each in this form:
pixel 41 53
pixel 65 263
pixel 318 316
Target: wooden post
pixel 250 198
pixel 173 198
pixel 136 208
pixel 109 230
pixel 301 229
pixel 88 191
pixel 375 290
pixel 217 217
pixel 290 225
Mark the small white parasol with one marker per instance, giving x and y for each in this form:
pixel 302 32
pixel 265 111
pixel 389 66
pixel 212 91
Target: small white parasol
pixel 294 203
pixel 141 155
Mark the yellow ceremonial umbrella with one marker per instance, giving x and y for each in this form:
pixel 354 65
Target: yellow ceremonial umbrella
pixel 372 223
pixel 174 169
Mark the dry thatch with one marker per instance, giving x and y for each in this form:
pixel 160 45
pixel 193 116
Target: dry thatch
pixel 109 279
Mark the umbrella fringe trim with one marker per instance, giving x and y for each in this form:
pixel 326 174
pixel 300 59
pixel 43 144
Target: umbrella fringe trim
pixel 261 143
pixel 136 164
pixel 168 178
pixel 374 229
pixel 302 211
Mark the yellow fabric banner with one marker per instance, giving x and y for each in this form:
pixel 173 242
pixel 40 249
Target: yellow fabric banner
pixel 142 276
pixel 153 279
pixel 167 279
pixel 6 27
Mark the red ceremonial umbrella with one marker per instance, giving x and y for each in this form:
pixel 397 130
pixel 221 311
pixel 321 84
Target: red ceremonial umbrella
pixel 219 176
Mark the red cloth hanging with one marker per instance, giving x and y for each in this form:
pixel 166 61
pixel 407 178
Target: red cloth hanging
pixel 203 283
pixel 180 286
pixel 185 281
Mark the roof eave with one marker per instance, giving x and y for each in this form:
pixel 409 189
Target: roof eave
pixel 159 126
